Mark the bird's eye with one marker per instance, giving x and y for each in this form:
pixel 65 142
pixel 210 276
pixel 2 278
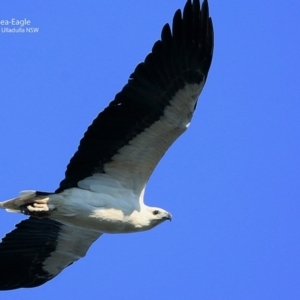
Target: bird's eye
pixel 156 212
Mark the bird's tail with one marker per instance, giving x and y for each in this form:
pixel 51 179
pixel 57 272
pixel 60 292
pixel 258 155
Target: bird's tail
pixel 27 201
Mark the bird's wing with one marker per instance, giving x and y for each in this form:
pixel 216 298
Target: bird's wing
pixel 126 141
pixel 38 250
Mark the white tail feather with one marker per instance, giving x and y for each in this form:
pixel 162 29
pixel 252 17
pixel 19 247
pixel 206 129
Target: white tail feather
pixel 13 205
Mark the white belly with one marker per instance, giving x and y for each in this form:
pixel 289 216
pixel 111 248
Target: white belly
pixel 96 211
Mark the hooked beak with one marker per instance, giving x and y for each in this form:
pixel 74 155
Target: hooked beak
pixel 168 217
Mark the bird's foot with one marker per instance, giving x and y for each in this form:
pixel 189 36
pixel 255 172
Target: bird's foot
pixel 34 209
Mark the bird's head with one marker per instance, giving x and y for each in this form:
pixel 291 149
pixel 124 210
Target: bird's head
pixel 156 216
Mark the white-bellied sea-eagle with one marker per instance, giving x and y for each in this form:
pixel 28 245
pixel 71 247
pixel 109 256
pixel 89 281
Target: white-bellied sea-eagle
pixel 104 184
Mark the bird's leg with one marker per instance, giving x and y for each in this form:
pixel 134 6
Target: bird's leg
pixel 39 208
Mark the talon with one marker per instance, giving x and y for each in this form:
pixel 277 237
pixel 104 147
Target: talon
pixel 24 209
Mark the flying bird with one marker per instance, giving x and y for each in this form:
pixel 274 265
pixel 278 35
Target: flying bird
pixel 104 185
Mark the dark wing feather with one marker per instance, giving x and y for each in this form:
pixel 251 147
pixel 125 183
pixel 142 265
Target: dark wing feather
pixel 181 57
pixel 23 251
pixel 38 250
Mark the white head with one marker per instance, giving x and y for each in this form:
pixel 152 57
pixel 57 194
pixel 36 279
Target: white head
pixel 153 216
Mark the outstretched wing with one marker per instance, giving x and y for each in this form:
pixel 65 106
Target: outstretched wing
pixel 38 250
pixel 126 141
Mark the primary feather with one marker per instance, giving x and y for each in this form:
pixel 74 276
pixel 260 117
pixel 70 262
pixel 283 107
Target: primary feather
pixel 104 185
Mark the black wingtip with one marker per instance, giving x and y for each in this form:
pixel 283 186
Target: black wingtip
pixel 23 251
pixel 182 56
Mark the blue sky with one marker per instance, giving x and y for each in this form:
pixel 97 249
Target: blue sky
pixel 231 182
